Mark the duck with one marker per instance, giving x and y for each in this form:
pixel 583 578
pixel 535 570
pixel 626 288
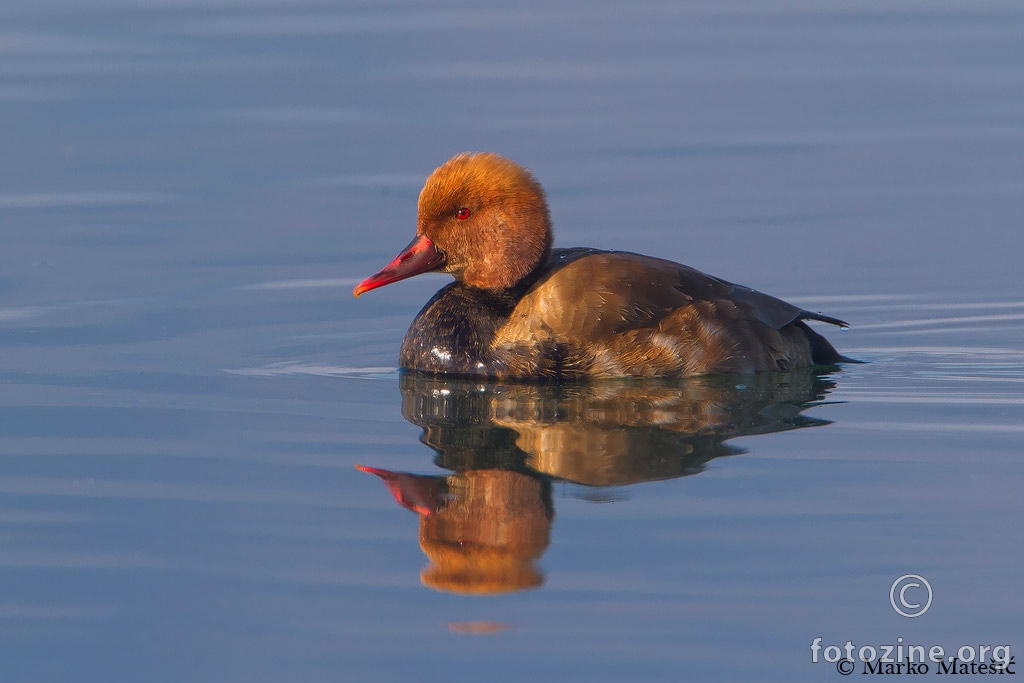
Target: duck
pixel 521 309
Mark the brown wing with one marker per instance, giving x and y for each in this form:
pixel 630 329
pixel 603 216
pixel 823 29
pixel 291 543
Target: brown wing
pixel 596 294
pixel 616 313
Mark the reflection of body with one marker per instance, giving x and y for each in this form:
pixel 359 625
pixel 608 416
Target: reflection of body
pixel 520 309
pixel 484 526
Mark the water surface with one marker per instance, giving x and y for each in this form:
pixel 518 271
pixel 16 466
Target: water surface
pixel 190 191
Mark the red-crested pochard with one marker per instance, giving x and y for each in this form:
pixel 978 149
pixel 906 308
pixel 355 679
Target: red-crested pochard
pixel 520 309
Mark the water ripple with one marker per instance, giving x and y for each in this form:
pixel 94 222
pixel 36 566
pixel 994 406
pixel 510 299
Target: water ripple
pixel 298 368
pixel 49 200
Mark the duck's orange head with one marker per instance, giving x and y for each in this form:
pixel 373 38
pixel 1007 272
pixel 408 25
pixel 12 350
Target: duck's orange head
pixel 482 218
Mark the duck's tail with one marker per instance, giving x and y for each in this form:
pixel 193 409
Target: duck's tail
pixel 807 315
pixel 822 351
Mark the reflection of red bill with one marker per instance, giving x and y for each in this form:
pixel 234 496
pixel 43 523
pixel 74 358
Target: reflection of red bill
pixel 417 492
pixel 478 628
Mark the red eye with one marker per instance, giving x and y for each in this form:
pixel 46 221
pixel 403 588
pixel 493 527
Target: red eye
pixel 462 214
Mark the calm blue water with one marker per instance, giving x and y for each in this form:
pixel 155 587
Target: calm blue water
pixel 189 191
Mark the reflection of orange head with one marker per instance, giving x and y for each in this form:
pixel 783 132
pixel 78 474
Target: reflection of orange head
pixel 487 538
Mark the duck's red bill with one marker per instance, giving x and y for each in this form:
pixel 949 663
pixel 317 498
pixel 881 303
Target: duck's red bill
pixel 419 257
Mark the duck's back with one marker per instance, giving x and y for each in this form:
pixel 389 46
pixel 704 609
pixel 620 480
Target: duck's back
pixel 592 313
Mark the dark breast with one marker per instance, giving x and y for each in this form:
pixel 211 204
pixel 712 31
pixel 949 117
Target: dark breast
pixel 453 332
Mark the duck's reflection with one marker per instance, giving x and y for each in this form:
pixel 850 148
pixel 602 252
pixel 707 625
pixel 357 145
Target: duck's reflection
pixel 484 526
